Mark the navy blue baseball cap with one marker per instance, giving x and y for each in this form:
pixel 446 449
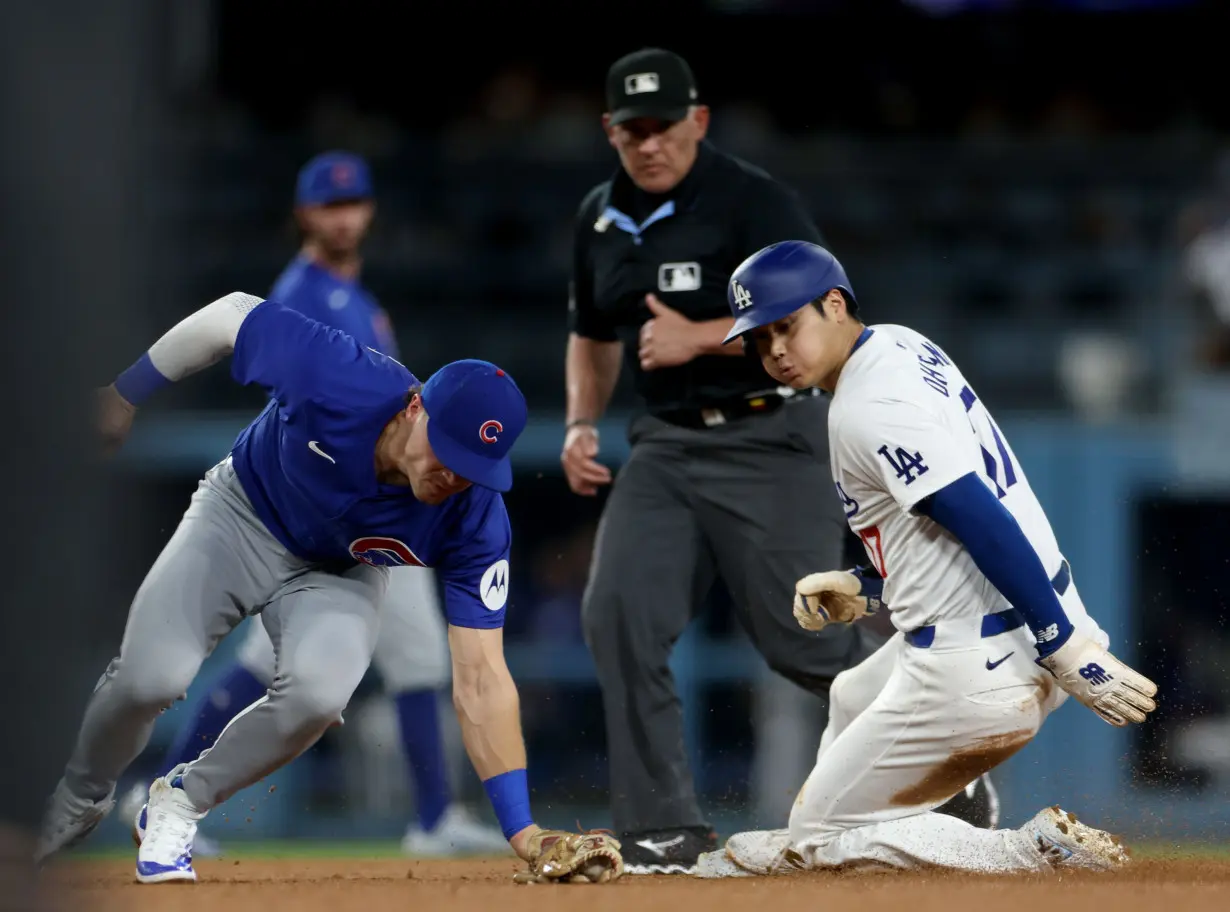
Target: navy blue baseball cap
pixel 332 177
pixel 777 280
pixel 475 412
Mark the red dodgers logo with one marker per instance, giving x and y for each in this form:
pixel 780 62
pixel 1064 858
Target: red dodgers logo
pixel 343 174
pixel 490 431
pixel 378 551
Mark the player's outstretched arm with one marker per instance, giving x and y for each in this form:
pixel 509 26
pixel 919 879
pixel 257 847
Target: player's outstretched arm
pixel 196 342
pixel 488 709
pixel 489 712
pixel 999 548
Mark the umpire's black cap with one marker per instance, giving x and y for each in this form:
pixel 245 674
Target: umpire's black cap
pixel 650 83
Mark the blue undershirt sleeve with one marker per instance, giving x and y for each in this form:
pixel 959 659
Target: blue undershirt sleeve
pixel 999 548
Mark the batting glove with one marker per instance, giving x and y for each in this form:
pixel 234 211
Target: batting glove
pixel 832 596
pixel 1100 681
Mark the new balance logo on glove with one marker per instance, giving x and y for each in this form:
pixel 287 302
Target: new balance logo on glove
pixel 1095 674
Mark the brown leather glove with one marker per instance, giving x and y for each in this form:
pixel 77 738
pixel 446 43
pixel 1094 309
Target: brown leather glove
pixel 559 857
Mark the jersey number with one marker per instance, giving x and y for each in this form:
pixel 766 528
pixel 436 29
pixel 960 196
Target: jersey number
pixel 990 461
pixel 875 551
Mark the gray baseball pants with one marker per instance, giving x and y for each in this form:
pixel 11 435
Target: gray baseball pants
pixel 220 566
pixel 751 502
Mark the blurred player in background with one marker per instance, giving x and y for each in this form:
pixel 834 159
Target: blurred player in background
pixel 334 207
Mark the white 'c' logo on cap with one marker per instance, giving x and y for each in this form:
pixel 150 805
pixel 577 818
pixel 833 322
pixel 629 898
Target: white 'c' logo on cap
pixel 490 431
pixel 640 83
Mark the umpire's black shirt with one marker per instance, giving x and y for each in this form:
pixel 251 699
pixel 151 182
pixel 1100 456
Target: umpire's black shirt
pixel 682 246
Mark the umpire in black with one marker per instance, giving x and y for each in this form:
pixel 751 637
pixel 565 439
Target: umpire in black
pixel 720 458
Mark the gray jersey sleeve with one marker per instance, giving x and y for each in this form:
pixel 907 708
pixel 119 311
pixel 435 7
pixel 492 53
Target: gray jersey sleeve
pixel 203 338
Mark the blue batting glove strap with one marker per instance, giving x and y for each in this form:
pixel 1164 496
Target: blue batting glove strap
pixel 510 798
pixel 872 582
pixel 1049 639
pixel 140 381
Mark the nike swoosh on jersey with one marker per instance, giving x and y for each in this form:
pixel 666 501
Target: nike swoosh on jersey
pixel 991 666
pixel 315 448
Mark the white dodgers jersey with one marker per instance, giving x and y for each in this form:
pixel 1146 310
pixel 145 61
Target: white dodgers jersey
pixel 903 424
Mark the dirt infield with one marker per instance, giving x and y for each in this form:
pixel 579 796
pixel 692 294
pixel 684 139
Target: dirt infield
pixel 349 885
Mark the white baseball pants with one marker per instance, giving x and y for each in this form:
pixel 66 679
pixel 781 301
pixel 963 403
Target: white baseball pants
pixel 908 729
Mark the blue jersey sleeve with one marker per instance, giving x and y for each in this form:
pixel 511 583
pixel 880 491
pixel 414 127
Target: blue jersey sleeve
pixel 289 354
pixel 473 579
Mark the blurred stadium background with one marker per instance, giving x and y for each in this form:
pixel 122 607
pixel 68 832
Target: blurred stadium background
pixel 1042 186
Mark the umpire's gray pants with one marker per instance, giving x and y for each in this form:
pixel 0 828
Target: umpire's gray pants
pixel 219 566
pixel 751 502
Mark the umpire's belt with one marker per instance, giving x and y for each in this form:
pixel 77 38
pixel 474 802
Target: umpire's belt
pixel 719 413
pixel 1001 621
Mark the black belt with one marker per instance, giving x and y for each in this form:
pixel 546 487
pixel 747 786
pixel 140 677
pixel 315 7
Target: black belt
pixel 1001 621
pixel 726 410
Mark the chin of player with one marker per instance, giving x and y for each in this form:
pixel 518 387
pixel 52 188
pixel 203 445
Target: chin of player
pixel 791 378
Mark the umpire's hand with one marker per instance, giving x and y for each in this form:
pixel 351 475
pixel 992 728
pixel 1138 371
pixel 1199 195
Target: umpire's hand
pixel 114 417
pixel 584 472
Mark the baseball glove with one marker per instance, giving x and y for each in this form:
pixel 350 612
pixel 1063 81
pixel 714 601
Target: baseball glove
pixel 559 857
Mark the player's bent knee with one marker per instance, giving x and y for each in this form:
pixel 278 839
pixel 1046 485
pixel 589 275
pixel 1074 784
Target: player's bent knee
pixel 154 684
pixel 311 705
pixel 841 691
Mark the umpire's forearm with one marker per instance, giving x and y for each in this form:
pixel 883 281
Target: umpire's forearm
pixel 591 370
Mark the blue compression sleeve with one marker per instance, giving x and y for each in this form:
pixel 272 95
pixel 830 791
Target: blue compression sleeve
pixel 510 798
pixel 994 539
pixel 140 381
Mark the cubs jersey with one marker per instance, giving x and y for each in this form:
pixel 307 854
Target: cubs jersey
pixel 904 423
pixel 335 301
pixel 307 465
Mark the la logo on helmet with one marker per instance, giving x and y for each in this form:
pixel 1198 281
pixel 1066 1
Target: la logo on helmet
pixel 743 297
pixel 490 431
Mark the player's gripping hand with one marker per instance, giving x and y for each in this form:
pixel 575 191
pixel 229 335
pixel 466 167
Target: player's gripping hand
pixel 1100 681
pixel 114 416
pixel 558 857
pixel 832 596
pixel 582 469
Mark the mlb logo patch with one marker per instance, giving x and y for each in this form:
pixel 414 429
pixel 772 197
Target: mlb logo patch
pixel 640 83
pixel 679 277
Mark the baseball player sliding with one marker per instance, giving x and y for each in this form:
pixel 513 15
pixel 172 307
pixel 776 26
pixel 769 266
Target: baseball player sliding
pixel 991 633
pixel 351 468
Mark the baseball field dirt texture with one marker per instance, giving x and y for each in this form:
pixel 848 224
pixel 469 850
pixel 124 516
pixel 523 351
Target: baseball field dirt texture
pixel 1174 882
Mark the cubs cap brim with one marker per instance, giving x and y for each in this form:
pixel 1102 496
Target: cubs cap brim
pixel 496 474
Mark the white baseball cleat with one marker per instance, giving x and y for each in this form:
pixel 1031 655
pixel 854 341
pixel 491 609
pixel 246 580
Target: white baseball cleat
pixel 764 852
pixel 715 864
pixel 168 821
pixel 457 833
pixel 68 820
pixel 132 807
pixel 1065 842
